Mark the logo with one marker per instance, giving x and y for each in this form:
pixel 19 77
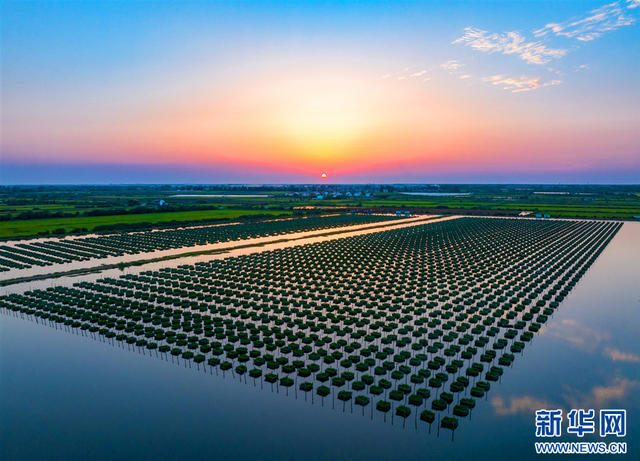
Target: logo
pixel 613 422
pixel 548 423
pixel 581 421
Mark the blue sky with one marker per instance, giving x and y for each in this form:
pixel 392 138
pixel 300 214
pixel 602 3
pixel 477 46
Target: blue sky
pixel 283 91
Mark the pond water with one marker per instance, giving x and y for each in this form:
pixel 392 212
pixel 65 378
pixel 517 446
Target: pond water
pixel 69 397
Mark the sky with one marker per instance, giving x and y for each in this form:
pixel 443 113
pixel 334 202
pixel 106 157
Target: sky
pixel 282 92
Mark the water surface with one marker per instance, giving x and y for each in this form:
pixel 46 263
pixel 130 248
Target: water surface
pixel 70 397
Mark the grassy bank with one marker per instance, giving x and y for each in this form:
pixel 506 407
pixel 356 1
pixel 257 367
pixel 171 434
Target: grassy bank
pixel 33 226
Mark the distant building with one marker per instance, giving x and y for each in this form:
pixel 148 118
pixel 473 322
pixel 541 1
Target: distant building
pixel 158 202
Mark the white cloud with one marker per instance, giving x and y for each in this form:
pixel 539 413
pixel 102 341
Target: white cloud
pixel 593 24
pixel 619 356
pixel 599 397
pixel 578 334
pixel 466 76
pixel 451 65
pixel 519 84
pixel 525 404
pixel 510 43
pixel 618 390
pixel 588 339
pixel 556 71
pixel 404 74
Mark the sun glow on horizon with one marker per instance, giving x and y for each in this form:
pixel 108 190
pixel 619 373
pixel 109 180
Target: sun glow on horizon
pixel 321 122
pixel 330 122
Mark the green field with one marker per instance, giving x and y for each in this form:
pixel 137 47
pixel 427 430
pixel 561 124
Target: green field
pixel 31 210
pixel 33 226
pixel 567 207
pixel 15 210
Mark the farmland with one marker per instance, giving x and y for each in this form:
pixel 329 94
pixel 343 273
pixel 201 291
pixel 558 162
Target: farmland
pixel 31 227
pixel 26 212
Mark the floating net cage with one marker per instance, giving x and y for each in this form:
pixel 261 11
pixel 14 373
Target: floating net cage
pixel 412 324
pixel 47 253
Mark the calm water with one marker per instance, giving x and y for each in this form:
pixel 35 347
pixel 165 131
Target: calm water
pixel 69 397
